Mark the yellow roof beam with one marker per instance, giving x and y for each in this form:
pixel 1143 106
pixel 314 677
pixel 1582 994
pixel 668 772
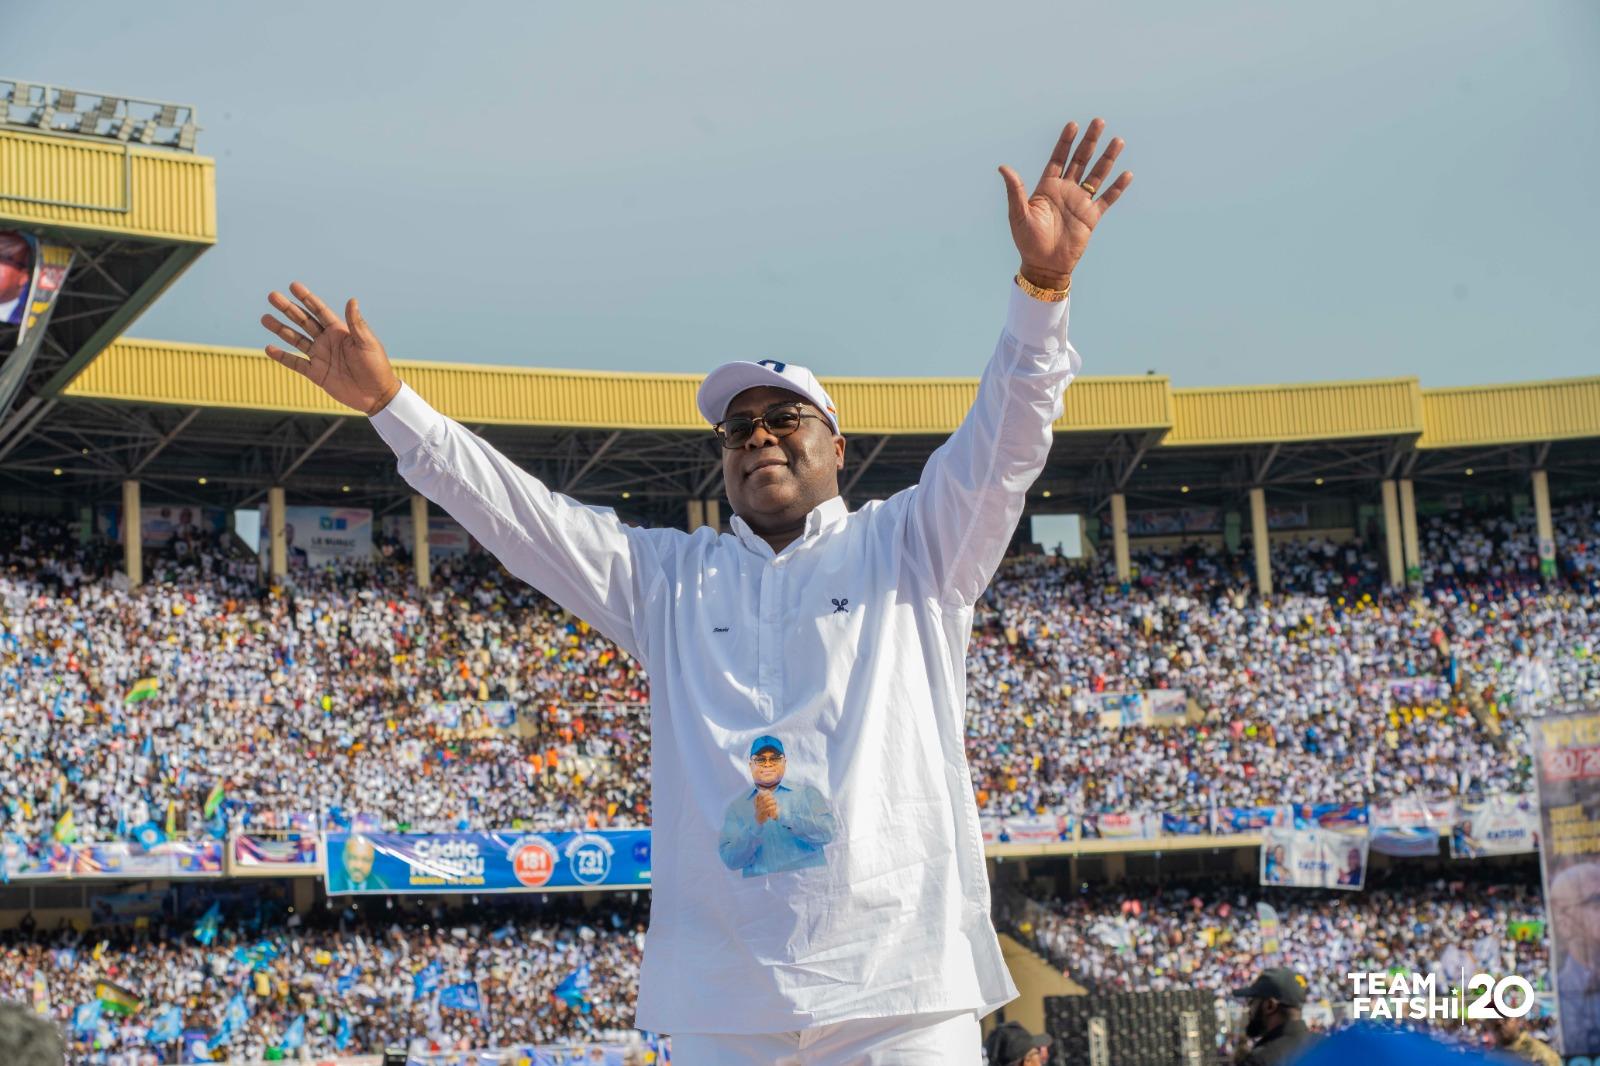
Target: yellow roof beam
pixel 1271 414
pixel 1481 415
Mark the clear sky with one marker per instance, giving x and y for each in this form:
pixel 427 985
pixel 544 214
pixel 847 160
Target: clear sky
pixel 1322 190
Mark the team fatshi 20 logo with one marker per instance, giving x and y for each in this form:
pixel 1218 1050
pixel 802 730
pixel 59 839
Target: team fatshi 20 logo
pixel 533 861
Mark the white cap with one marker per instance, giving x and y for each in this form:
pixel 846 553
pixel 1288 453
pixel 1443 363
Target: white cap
pixel 730 379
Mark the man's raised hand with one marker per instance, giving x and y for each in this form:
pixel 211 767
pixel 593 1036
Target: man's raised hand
pixel 1051 228
pixel 341 356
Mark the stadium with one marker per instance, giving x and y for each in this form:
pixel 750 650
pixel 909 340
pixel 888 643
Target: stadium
pixel 236 649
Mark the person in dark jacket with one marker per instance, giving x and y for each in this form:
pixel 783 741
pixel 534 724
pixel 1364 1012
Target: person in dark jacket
pixel 1274 1000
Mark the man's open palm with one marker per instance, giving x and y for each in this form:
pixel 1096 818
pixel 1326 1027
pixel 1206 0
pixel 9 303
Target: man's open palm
pixel 343 357
pixel 1051 228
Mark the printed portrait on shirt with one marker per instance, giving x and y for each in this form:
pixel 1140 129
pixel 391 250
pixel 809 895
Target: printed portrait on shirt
pixel 776 825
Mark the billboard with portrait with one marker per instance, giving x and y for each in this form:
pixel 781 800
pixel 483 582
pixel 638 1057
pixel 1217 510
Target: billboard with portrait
pixel 1566 765
pixel 374 863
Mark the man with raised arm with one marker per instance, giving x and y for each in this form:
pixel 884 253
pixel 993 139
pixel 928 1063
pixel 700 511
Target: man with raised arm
pixel 844 633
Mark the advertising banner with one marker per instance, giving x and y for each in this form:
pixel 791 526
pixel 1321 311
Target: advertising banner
pixel 446 538
pixel 1138 825
pixel 1339 817
pixel 319 535
pixel 1495 825
pixel 1313 858
pixel 1181 825
pixel 291 852
pixel 1411 825
pixel 377 863
pixel 1253 819
pixel 113 861
pixel 32 273
pixel 1034 828
pixel 991 826
pixel 1566 765
pixel 1167 706
pixel 1118 709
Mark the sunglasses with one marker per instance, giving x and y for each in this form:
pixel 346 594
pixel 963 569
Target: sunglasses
pixel 780 421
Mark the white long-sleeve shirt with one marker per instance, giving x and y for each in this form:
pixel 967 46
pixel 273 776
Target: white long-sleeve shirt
pixel 849 646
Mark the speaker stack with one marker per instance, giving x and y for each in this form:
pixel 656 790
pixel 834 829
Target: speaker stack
pixel 1174 1028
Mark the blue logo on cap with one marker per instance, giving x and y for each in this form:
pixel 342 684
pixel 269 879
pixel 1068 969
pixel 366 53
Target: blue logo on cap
pixel 774 364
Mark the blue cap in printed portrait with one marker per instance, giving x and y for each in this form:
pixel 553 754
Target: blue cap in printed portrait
pixel 764 742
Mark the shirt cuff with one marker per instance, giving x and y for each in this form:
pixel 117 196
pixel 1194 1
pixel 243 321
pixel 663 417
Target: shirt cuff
pixel 1037 323
pixel 406 421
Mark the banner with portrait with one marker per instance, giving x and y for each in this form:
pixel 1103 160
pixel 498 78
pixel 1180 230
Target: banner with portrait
pixel 374 863
pixel 1411 825
pixel 32 273
pixel 1184 825
pixel 446 538
pixel 316 536
pixel 1506 824
pixel 1034 828
pixel 1123 825
pixel 119 860
pixel 1338 817
pixel 285 853
pixel 1252 819
pixel 1566 767
pixel 1314 858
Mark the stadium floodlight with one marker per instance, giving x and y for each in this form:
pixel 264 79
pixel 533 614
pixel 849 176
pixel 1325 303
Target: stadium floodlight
pixel 123 118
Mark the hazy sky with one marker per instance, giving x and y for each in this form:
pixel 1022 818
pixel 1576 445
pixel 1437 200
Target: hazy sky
pixel 1322 191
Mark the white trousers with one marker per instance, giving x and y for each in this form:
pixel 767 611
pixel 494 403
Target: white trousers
pixel 950 1039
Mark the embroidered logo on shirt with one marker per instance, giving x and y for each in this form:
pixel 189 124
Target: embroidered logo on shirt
pixel 841 606
pixel 719 629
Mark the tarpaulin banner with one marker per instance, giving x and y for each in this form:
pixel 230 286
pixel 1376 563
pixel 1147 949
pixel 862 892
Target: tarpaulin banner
pixel 319 535
pixel 1411 825
pixel 32 273
pixel 1182 825
pixel 446 538
pixel 1340 817
pixel 291 850
pixel 991 825
pixel 113 861
pixel 1124 824
pixel 1253 819
pixel 1313 858
pixel 1505 824
pixel 1566 766
pixel 1034 828
pixel 377 863
pixel 18 252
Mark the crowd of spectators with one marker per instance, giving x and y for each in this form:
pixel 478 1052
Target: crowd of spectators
pixel 1150 937
pixel 350 972
pixel 323 695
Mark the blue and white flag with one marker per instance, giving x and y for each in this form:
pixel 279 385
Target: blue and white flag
pixel 205 930
pixel 462 997
pixel 426 980
pixel 167 1027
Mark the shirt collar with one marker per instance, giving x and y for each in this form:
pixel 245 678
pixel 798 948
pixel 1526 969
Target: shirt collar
pixel 822 516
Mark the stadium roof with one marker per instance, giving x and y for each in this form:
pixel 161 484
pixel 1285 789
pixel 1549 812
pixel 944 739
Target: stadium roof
pixel 173 413
pixel 116 179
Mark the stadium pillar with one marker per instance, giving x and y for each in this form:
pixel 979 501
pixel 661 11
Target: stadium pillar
pixel 1391 533
pixel 132 533
pixel 697 514
pixel 1541 515
pixel 1408 529
pixel 276 520
pixel 714 514
pixel 420 560
pixel 1119 536
pixel 1258 536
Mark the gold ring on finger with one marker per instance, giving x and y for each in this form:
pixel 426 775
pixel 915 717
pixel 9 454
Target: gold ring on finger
pixel 1087 186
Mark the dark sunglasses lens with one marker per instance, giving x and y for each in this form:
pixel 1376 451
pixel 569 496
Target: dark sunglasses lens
pixel 736 432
